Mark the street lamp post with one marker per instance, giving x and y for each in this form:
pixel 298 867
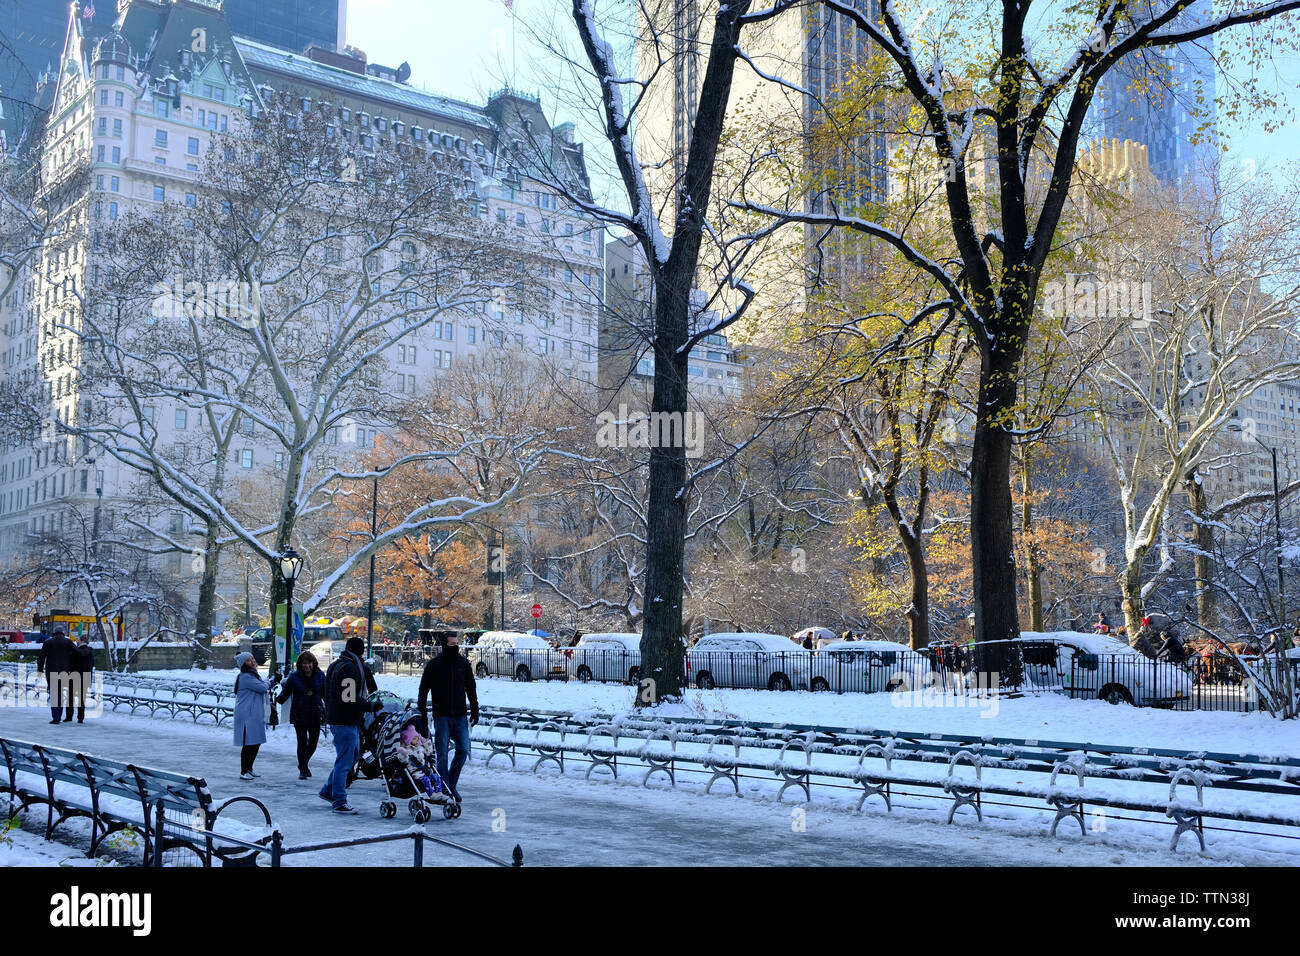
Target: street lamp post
pixel 290 566
pixel 370 608
pixel 1277 531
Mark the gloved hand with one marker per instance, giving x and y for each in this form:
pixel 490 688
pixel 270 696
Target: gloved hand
pixel 473 720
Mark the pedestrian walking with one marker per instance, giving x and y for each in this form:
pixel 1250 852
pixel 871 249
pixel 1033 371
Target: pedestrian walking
pixel 306 687
pixel 345 705
pixel 447 683
pixel 251 702
pixel 83 665
pixel 55 661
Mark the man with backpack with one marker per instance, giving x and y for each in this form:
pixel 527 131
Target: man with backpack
pixel 347 684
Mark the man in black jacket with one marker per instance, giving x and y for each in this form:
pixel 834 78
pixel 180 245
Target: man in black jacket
pixel 83 662
pixel 55 662
pixel 345 705
pixel 449 681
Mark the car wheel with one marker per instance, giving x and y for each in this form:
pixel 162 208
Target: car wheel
pixel 634 675
pixel 480 670
pixel 704 681
pixel 778 682
pixel 820 684
pixel 584 673
pixel 1115 694
pixel 522 673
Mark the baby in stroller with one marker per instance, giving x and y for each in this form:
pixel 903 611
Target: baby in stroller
pixel 408 759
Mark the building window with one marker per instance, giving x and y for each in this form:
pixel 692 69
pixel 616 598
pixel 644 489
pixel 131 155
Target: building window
pixel 182 418
pixel 159 194
pixel 521 219
pixel 160 108
pixel 246 458
pixel 117 154
pixel 160 138
pixel 279 460
pixel 192 146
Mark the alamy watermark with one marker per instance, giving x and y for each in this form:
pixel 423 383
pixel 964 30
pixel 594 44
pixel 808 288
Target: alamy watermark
pixel 240 302
pixel 72 689
pixel 653 430
pixel 1091 299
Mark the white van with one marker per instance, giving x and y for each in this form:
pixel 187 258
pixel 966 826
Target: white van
pixel 615 656
pixel 745 659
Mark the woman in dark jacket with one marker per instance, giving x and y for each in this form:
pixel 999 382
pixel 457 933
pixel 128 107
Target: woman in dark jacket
pixel 306 686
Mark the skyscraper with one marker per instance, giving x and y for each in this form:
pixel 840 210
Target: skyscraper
pixel 32 34
pixel 1163 99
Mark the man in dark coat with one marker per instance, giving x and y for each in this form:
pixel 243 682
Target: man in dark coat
pixel 55 662
pixel 448 682
pixel 347 683
pixel 83 663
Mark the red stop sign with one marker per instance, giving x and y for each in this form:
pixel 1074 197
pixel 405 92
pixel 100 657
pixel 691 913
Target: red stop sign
pixel 537 610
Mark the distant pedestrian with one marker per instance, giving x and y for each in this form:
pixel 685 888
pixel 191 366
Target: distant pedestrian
pixel 306 685
pixel 1101 626
pixel 807 642
pixel 447 684
pixel 251 702
pixel 55 661
pixel 1172 649
pixel 347 684
pixel 83 664
pixel 577 638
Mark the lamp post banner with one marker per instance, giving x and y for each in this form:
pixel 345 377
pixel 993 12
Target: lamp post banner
pixel 296 649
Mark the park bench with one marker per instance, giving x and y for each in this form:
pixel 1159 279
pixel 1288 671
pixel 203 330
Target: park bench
pixel 117 797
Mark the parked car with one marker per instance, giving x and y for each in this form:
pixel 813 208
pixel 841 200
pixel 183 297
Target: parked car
pixel 13 637
pixel 333 644
pixel 867 667
pixel 607 657
pixel 1101 666
pixel 518 655
pixel 744 659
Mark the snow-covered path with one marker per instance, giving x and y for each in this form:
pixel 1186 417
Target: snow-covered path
pixel 569 821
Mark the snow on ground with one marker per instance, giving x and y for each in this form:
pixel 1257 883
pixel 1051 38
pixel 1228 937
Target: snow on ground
pixel 23 848
pixel 572 821
pixel 1042 717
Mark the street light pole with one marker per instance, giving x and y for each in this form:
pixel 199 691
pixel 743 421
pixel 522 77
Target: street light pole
pixel 503 579
pixel 1277 530
pixel 370 612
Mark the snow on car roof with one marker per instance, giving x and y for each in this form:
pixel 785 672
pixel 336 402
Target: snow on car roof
pixel 1092 643
pixel 768 641
pixel 630 640
pixel 866 646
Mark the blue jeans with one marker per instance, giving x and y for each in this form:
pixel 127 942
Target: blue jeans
pixel 347 744
pixel 447 729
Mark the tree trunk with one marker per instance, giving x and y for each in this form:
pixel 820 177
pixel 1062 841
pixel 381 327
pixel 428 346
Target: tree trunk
pixel 918 615
pixel 1130 588
pixel 207 609
pixel 992 540
pixel 662 660
pixel 1207 610
pixel 1033 567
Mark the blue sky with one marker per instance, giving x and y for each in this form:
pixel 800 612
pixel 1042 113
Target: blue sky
pixel 468 48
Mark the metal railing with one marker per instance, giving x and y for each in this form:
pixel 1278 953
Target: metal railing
pixel 276 849
pixel 1164 785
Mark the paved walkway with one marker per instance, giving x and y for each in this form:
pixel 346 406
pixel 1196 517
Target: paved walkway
pixel 569 821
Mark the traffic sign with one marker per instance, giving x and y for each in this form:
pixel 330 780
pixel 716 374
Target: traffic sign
pixel 537 610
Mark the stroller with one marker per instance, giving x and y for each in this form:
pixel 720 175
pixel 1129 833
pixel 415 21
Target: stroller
pixel 380 705
pixel 406 758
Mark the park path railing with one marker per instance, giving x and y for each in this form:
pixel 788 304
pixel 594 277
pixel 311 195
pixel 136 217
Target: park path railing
pixel 1076 780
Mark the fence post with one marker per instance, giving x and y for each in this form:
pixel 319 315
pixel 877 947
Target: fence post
pixel 160 820
pixel 419 849
pixel 277 847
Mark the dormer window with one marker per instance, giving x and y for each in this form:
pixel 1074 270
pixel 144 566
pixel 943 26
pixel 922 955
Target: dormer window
pixel 398 127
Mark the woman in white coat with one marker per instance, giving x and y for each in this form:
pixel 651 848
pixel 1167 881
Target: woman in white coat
pixel 250 713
